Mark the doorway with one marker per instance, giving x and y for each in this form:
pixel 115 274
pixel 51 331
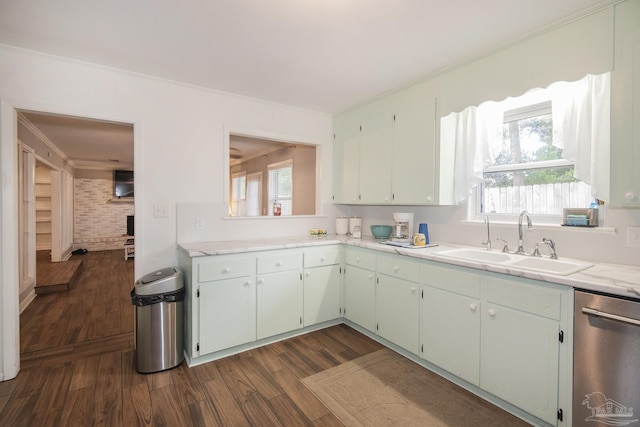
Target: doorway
pixel 72 164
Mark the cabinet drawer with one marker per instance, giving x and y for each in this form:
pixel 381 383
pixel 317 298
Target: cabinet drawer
pixel 317 257
pixel 225 268
pixel 360 258
pixel 451 279
pixel 281 261
pixel 523 295
pixel 396 266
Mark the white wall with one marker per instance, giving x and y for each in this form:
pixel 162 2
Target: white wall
pixel 178 130
pixel 448 224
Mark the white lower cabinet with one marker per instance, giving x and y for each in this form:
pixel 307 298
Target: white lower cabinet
pixel 397 308
pixel 398 301
pixel 279 303
pixel 360 296
pixel 498 333
pixel 322 294
pixel 450 321
pixel 360 287
pixel 322 284
pixel 227 314
pixel 520 344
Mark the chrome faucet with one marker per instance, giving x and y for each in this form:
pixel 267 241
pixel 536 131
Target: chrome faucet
pixel 488 242
pixel 550 244
pixel 552 248
pixel 520 235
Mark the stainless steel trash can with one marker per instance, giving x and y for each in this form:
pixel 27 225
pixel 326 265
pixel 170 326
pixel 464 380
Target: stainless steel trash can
pixel 159 321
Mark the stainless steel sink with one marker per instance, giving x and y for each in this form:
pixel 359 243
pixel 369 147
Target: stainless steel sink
pixel 560 267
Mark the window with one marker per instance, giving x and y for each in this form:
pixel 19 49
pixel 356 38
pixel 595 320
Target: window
pixel 238 194
pixel 530 173
pixel 281 186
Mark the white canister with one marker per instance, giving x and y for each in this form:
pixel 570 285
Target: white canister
pixel 354 221
pixel 342 225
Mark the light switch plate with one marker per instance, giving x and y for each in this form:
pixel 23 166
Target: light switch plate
pixel 161 210
pixel 199 223
pixel 633 237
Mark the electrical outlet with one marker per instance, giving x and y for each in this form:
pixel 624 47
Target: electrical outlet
pixel 633 237
pixel 199 223
pixel 161 210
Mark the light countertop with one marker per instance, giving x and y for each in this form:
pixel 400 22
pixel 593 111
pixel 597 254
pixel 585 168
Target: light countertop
pixel 617 279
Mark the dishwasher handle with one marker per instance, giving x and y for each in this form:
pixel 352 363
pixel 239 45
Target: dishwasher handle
pixel 605 315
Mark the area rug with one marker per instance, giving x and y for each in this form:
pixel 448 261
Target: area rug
pixel 384 388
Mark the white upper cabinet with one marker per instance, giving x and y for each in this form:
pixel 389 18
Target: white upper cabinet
pixel 346 157
pixel 414 163
pixel 376 137
pixel 625 107
pixel 385 152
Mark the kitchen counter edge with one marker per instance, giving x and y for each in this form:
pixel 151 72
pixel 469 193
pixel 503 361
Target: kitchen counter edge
pixel 616 279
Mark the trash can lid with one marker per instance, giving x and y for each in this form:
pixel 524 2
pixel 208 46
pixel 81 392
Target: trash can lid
pixel 160 281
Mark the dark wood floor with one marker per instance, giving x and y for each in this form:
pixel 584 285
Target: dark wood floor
pixel 77 367
pixel 55 276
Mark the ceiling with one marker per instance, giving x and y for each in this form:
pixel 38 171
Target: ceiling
pixel 86 143
pixel 321 55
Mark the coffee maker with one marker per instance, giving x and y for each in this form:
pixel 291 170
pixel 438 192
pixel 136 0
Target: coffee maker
pixel 402 227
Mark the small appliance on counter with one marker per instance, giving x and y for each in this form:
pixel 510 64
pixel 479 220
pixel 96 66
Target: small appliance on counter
pixel 402 227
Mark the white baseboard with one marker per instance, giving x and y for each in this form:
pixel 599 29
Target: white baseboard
pixel 28 300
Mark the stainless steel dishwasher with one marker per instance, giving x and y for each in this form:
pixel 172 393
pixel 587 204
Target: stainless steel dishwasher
pixel 606 355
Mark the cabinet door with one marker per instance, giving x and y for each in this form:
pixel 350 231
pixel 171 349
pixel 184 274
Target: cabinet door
pixel 360 297
pixel 450 332
pixel 346 156
pixel 279 303
pixel 519 359
pixel 376 138
pixel 397 311
pixel 414 166
pixel 227 313
pixel 322 294
pixel 625 107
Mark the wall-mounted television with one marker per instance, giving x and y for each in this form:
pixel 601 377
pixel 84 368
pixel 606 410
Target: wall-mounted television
pixel 123 183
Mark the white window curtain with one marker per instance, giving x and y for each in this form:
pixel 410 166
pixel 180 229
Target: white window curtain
pixel 580 112
pixel 581 127
pixel 476 133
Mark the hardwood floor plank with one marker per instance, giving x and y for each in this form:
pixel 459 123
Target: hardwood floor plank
pixel 188 387
pixel 226 409
pixel 300 394
pixel 235 379
pixel 54 390
pixel 159 380
pixel 108 409
pixel 18 412
pixel 109 380
pixel 85 372
pixel 268 358
pixel 78 409
pixel 287 412
pixel 166 411
pixel 258 411
pixel 260 378
pixel 202 415
pixel 137 409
